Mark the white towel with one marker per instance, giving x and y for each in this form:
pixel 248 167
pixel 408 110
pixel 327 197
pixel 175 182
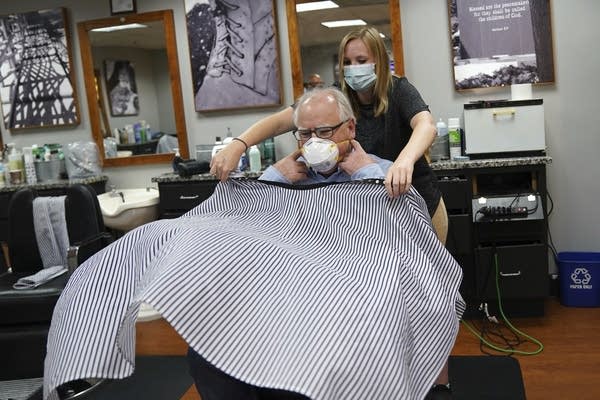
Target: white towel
pixel 51 230
pixel 39 278
pixel 52 239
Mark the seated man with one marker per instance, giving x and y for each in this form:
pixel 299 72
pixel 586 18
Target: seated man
pixel 328 153
pixel 330 140
pixel 325 292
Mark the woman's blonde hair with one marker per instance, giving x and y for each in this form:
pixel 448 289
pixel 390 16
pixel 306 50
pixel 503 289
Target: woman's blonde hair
pixel 370 36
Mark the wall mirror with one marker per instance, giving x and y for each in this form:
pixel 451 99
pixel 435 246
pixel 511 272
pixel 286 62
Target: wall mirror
pixel 133 88
pixel 313 47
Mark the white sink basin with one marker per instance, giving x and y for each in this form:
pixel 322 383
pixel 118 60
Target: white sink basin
pixel 126 209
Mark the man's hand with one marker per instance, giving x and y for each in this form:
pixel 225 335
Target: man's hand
pixel 355 159
pixel 226 160
pixel 291 168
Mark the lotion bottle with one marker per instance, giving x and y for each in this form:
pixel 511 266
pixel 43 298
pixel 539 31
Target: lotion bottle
pixel 254 155
pixel 454 140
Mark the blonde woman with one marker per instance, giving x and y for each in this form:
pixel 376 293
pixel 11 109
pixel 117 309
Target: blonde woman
pixel 393 122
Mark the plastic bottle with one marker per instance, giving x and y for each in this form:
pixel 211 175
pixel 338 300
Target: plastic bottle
pixel 229 138
pixel 439 150
pixel 176 160
pixel 30 175
pixel 442 128
pixel 218 146
pixel 454 141
pixel 269 153
pixel 254 155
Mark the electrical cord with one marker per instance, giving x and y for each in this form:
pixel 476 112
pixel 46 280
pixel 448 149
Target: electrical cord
pixel 515 331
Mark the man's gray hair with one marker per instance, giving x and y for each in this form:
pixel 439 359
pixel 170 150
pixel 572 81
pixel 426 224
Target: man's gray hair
pixel 344 107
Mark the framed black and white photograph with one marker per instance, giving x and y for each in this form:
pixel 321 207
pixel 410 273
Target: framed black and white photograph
pixel 122 6
pixel 498 43
pixel 121 88
pixel 233 51
pixel 37 82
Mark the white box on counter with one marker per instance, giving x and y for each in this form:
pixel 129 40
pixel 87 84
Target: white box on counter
pixel 504 126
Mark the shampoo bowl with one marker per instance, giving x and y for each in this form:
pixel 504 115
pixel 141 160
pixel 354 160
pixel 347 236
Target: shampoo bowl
pixel 127 209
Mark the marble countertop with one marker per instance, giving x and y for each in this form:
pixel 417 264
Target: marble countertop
pixel 173 177
pixel 491 163
pixel 55 184
pixel 437 166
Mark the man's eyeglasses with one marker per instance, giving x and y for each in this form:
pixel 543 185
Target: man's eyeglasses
pixel 323 132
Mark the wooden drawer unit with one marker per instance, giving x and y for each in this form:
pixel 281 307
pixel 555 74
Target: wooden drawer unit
pixel 178 198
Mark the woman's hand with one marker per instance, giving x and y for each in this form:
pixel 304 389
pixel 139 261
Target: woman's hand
pixel 399 177
pixel 227 160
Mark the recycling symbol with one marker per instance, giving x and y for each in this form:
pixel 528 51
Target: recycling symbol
pixel 581 276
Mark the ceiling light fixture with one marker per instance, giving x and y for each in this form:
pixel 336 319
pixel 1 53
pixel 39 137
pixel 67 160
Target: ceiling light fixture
pixel 315 5
pixel 344 22
pixel 119 27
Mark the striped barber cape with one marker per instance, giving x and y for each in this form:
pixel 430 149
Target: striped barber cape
pixel 334 291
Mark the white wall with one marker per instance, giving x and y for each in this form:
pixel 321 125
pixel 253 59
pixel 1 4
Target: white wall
pixel 572 104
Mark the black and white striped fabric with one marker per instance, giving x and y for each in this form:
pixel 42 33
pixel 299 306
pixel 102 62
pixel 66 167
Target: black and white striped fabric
pixel 335 292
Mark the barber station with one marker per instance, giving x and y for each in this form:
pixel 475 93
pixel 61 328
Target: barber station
pixel 298 200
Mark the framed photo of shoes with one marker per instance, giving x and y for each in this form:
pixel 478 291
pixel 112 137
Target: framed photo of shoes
pixel 122 6
pixel 233 54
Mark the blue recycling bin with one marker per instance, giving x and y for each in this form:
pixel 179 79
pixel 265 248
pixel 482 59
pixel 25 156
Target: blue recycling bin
pixel 579 274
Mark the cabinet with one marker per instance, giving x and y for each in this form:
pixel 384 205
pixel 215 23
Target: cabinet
pixel 505 253
pixel 178 197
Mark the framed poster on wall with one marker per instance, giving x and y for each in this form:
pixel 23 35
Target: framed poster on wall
pixel 500 42
pixel 233 51
pixel 121 88
pixel 36 70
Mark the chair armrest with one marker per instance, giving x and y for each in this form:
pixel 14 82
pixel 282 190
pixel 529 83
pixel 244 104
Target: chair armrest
pixel 81 251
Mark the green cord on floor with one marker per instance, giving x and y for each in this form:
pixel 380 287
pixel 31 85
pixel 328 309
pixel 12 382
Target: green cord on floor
pixel 511 326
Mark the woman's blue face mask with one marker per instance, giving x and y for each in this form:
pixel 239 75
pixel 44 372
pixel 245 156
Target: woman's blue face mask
pixel 360 77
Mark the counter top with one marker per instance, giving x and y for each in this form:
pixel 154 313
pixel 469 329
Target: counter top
pixel 55 184
pixel 491 163
pixel 173 177
pixel 438 166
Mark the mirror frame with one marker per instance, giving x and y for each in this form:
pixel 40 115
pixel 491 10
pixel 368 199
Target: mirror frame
pixel 294 43
pixel 166 16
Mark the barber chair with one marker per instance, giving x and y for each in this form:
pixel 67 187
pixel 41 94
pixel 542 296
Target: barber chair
pixel 25 315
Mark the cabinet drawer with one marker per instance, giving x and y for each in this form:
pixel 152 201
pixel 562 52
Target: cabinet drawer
pixel 522 271
pixel 456 193
pixel 460 234
pixel 3 229
pixel 184 197
pixel 4 200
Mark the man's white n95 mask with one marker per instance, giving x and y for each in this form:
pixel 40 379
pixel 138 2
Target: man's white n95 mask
pixel 320 154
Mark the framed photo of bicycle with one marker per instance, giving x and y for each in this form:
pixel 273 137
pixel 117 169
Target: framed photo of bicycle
pixel 498 43
pixel 36 70
pixel 233 54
